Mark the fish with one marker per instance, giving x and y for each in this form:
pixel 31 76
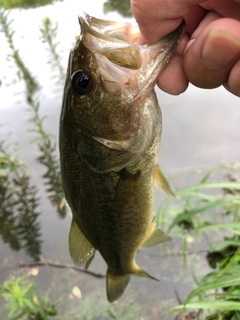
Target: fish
pixel 110 131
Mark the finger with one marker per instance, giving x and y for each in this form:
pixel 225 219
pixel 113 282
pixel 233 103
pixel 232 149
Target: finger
pixel 233 82
pixel 226 8
pixel 210 17
pixel 156 18
pixel 210 58
pixel 193 18
pixel 172 78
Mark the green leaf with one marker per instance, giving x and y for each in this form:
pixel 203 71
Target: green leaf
pixel 28 288
pixel 192 212
pixel 221 244
pixel 29 304
pixel 216 185
pixel 18 316
pixel 231 226
pixel 209 305
pixel 217 283
pixel 43 314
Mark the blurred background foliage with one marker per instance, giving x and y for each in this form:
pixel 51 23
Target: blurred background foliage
pixel 25 4
pixel 122 7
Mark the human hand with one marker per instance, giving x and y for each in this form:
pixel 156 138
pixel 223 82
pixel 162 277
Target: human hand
pixel 209 54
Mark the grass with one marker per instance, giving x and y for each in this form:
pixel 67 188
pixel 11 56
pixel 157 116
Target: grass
pixel 22 301
pixel 210 211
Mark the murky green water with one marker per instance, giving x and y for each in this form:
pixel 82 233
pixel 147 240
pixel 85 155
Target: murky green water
pixel 200 130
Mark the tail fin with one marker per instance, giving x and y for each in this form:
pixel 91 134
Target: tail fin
pixel 116 284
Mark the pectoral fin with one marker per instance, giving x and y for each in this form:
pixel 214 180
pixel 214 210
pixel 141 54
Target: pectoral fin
pixel 162 183
pixel 81 250
pixel 156 236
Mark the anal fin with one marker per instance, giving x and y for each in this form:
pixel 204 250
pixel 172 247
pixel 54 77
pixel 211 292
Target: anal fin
pixel 162 182
pixel 157 236
pixel 81 250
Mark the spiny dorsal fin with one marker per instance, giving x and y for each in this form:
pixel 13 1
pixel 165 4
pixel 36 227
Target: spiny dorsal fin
pixel 156 236
pixel 116 285
pixel 162 182
pixel 81 250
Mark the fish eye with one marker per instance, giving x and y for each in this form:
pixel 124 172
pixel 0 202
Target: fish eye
pixel 82 82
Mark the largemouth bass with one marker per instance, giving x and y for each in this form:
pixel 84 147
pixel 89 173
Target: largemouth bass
pixel 110 132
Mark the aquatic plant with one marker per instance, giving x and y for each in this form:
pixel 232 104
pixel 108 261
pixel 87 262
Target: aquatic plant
pixel 22 301
pixel 211 210
pixel 19 224
pixel 46 143
pixel 49 37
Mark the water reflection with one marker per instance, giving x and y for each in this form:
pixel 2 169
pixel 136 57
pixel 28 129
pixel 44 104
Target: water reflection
pixel 46 143
pixel 19 215
pixel 52 176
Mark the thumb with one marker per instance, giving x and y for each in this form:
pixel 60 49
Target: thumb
pixel 156 18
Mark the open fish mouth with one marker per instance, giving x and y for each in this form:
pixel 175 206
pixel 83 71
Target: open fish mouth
pixel 118 42
pixel 110 30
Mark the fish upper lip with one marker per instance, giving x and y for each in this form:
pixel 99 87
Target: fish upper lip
pixel 85 22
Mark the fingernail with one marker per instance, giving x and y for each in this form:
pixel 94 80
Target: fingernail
pixel 220 50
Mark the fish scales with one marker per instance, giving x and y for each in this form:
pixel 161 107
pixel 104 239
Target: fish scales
pixel 110 131
pixel 116 199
